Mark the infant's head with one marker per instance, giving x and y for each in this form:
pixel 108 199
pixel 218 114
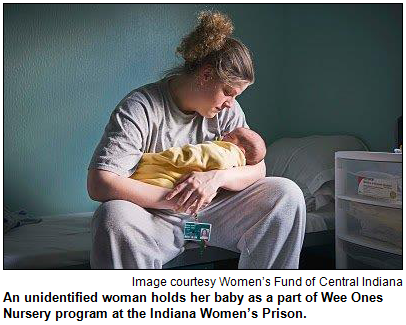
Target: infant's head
pixel 250 143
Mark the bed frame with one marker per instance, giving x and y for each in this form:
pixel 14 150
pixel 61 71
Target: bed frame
pixel 318 253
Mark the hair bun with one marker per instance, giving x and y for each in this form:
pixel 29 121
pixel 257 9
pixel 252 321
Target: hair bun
pixel 209 35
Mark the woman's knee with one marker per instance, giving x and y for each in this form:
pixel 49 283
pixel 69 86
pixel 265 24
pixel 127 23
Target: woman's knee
pixel 282 192
pixel 281 187
pixel 289 189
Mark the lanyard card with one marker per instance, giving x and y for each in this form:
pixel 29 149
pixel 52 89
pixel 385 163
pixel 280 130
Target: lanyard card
pixel 197 231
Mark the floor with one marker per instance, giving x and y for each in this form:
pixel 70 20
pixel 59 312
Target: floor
pixel 318 258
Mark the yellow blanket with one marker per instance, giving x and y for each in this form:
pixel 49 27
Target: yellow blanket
pixel 166 167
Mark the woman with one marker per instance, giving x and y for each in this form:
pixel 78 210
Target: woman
pixel 141 225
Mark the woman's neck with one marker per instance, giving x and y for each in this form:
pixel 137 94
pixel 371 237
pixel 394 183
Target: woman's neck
pixel 180 89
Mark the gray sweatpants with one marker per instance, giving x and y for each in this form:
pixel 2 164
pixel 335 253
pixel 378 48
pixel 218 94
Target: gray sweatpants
pixel 264 222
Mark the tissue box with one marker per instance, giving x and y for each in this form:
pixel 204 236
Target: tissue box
pixel 378 188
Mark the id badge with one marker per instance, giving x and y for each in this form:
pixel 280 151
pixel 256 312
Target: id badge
pixel 197 231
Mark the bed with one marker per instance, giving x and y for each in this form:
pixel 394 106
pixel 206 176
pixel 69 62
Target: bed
pixel 57 242
pixel 63 242
pixel 309 162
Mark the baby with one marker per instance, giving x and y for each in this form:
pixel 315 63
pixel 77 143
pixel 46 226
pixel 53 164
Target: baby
pixel 240 147
pixel 249 142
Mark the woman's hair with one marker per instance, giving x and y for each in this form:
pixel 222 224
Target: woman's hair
pixel 210 43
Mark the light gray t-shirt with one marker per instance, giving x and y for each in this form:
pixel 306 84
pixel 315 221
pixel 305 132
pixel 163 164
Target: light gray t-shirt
pixel 147 120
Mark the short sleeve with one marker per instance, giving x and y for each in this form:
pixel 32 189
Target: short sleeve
pixel 232 118
pixel 123 141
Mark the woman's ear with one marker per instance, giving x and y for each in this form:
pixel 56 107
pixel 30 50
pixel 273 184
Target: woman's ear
pixel 206 73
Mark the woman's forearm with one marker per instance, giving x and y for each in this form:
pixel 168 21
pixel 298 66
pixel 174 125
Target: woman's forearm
pixel 105 186
pixel 239 178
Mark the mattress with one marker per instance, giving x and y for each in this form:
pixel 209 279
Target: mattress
pixel 59 242
pixel 55 242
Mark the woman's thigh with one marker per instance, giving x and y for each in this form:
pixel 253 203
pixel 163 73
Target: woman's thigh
pixel 268 203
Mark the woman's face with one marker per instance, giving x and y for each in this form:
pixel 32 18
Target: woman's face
pixel 214 96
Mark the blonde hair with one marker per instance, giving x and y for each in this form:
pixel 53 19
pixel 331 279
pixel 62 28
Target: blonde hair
pixel 210 43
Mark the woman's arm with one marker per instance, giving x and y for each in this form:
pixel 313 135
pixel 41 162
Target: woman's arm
pixel 239 178
pixel 197 189
pixel 104 186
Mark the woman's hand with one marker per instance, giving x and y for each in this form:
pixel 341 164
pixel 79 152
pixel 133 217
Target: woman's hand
pixel 195 190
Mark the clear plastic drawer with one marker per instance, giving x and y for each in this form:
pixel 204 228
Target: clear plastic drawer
pixel 370 180
pixel 374 226
pixel 360 257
